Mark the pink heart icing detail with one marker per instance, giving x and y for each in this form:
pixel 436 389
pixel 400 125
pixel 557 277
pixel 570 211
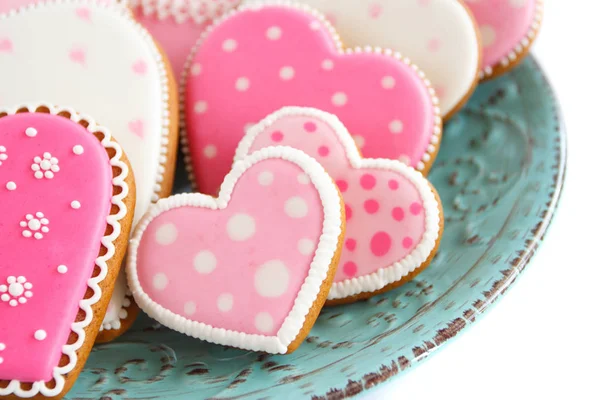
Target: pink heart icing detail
pixel 77 56
pixel 264 57
pixel 6 45
pixel 139 67
pixel 137 128
pixel 504 24
pixel 241 270
pixel 393 216
pixel 375 10
pixel 45 218
pixel 83 13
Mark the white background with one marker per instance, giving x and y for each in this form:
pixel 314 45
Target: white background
pixel 542 340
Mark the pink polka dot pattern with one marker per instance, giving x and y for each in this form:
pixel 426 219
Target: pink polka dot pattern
pixel 377 200
pixel 346 87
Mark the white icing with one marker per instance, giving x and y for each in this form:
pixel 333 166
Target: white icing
pixel 62 269
pixel 271 279
pixel 70 350
pixel 166 234
pixel 40 335
pixel 182 11
pixel 45 166
pixel 205 262
pixel 35 225
pixel 16 291
pixel 78 150
pixel 76 205
pixel 241 227
pixel 31 132
pixel 439 36
pixel 11 185
pixel 111 42
pixel 396 271
pixel 319 268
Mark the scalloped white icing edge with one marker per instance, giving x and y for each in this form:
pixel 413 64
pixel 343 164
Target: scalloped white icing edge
pixel 319 268
pixel 121 10
pixel 70 350
pixel 180 10
pixel 524 44
pixel 434 141
pixel 399 269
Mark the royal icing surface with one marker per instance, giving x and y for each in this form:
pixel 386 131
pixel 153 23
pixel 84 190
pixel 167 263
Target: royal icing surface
pixel 266 56
pixel 392 214
pixel 42 278
pixel 250 266
pixel 439 36
pixel 88 55
pixel 507 27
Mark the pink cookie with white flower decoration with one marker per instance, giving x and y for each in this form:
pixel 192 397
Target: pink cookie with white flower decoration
pixel 264 56
pixel 177 24
pixel 68 197
pixel 250 269
pixel 394 216
pixel 508 29
pixel 93 52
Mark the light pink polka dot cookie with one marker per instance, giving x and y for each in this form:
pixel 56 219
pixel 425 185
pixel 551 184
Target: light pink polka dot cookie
pixel 508 29
pixel 177 24
pixel 249 269
pixel 264 56
pixel 394 217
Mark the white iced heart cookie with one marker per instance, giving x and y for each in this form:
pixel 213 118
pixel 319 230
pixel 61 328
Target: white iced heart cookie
pixel 439 36
pixel 94 57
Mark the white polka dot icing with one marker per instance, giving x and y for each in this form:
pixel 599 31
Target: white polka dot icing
pixel 249 61
pixel 392 214
pixel 251 270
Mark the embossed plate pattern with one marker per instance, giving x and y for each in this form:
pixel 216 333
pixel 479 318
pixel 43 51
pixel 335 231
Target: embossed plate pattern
pixel 499 173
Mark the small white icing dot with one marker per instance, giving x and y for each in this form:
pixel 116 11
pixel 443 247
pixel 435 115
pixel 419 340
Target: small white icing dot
pixel 225 302
pixel 2 346
pixel 339 99
pixel 31 132
pixel 166 234
pixel 242 84
pixel 360 141
pixel 327 64
pixel 62 269
pixel 229 45
pixel 296 207
pixel 274 33
pixel 396 126
pixel 1 360
pixel 303 179
pixel 241 227
pixel 210 151
pixel 265 178
pixel 196 69
pixel 271 279
pixel 488 35
pixel 306 246
pixel 205 262
pixel 200 107
pixel 11 185
pixel 160 281
pixel 388 82
pixel 189 308
pixel 75 205
pixel 287 73
pixel 315 25
pixel 78 149
pixel 40 334
pixel 263 322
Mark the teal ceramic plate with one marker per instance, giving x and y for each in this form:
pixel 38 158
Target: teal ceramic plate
pixel 499 173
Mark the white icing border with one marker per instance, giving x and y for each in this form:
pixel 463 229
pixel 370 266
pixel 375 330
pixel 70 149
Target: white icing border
pixel 70 350
pixel 434 142
pixel 398 270
pixel 318 272
pixel 181 10
pixel 121 11
pixel 520 47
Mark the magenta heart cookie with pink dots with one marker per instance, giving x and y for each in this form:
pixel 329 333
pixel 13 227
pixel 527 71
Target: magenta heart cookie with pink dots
pixel 394 217
pixel 508 29
pixel 249 269
pixel 264 56
pixel 67 198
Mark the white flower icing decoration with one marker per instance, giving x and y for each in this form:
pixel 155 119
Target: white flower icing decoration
pixel 16 291
pixel 35 226
pixel 3 155
pixel 45 167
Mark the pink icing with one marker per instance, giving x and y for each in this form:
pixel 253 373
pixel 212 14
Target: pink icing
pixel 75 201
pixel 387 220
pixel 240 268
pixel 503 24
pixel 257 61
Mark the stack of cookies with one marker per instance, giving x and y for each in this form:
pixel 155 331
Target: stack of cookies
pixel 307 130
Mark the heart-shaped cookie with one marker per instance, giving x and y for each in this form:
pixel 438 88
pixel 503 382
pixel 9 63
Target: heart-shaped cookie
pixel 508 29
pixel 440 36
pixel 394 216
pixel 67 195
pixel 98 55
pixel 250 269
pixel 264 56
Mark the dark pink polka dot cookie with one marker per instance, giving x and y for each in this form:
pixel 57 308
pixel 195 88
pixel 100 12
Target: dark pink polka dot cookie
pixel 394 216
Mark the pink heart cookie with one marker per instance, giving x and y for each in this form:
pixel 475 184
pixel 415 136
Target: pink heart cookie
pixel 394 218
pixel 508 29
pixel 68 198
pixel 249 269
pixel 176 24
pixel 264 56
